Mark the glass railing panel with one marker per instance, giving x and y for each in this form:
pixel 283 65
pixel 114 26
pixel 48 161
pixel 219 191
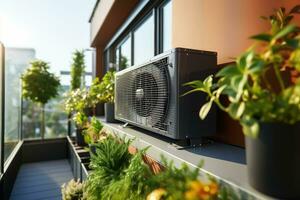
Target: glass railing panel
pixel 56 120
pixel 16 61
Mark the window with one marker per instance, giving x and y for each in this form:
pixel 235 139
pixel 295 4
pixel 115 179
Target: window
pixel 142 36
pixel 123 54
pixel 125 58
pixel 144 41
pixel 167 25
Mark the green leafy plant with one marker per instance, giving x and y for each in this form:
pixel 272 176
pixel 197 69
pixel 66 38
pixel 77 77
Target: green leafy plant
pixel 95 93
pixel 73 190
pixel 117 174
pixel 76 100
pixel 77 70
pixel 173 181
pixel 39 86
pixel 263 84
pixel 111 158
pixel 107 87
pixel 94 133
pixel 81 120
pixel 133 182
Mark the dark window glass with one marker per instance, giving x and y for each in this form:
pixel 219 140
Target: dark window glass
pixel 167 25
pixel 125 59
pixel 144 41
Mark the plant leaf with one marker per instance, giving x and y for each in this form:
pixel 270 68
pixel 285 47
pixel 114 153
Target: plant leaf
pixel 194 90
pixel 294 43
pixel 262 37
pixel 196 83
pixel 205 109
pixel 220 90
pixel 295 10
pixel 288 29
pixel 228 70
pixel 250 127
pixel 208 82
pixel 236 110
pixel 256 66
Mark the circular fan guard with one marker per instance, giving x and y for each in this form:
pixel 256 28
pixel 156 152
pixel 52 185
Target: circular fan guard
pixel 150 94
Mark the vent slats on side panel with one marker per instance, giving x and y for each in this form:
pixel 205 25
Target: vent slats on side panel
pixel 142 95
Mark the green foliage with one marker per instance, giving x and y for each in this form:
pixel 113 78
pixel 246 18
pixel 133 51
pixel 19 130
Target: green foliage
pixel 73 190
pixel 77 70
pixel 109 162
pixel 123 62
pixel 107 87
pixel 253 96
pixel 95 92
pixel 174 180
pixel 102 91
pixel 133 183
pixel 39 85
pixel 93 132
pixel 80 119
pixel 117 174
pixel 76 100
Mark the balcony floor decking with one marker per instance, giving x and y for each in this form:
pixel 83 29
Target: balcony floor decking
pixel 41 180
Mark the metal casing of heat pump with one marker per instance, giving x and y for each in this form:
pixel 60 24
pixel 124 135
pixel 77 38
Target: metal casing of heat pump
pixel 149 95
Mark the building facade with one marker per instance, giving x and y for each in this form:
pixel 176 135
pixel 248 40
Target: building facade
pixel 127 33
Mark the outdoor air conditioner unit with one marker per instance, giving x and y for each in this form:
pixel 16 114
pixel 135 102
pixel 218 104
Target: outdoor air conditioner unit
pixel 149 96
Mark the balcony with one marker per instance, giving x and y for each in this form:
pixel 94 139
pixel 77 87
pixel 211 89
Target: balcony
pixel 129 109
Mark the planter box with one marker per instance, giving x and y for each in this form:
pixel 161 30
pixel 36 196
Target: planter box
pixel 78 158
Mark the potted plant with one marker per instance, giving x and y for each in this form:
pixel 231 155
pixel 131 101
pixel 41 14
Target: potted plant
pixel 73 190
pixel 94 134
pixel 75 99
pixel 75 104
pixel 39 86
pixel 108 95
pixel 263 94
pixel 94 96
pixel 81 121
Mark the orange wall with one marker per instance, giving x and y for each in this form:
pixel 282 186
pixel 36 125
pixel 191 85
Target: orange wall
pixel 221 25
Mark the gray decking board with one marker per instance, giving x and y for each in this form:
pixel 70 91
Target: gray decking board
pixel 41 180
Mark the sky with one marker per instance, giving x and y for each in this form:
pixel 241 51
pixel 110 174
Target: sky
pixel 54 28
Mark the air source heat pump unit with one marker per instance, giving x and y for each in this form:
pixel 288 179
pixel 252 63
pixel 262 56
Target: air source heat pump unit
pixel 150 95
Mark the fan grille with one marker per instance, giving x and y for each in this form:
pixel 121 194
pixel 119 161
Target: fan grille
pixel 143 95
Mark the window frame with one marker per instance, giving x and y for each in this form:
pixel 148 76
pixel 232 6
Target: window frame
pixel 161 24
pixel 140 23
pixel 143 11
pixel 118 47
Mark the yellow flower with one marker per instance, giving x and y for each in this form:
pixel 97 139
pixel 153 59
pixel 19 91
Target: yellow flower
pixel 200 191
pixel 157 194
